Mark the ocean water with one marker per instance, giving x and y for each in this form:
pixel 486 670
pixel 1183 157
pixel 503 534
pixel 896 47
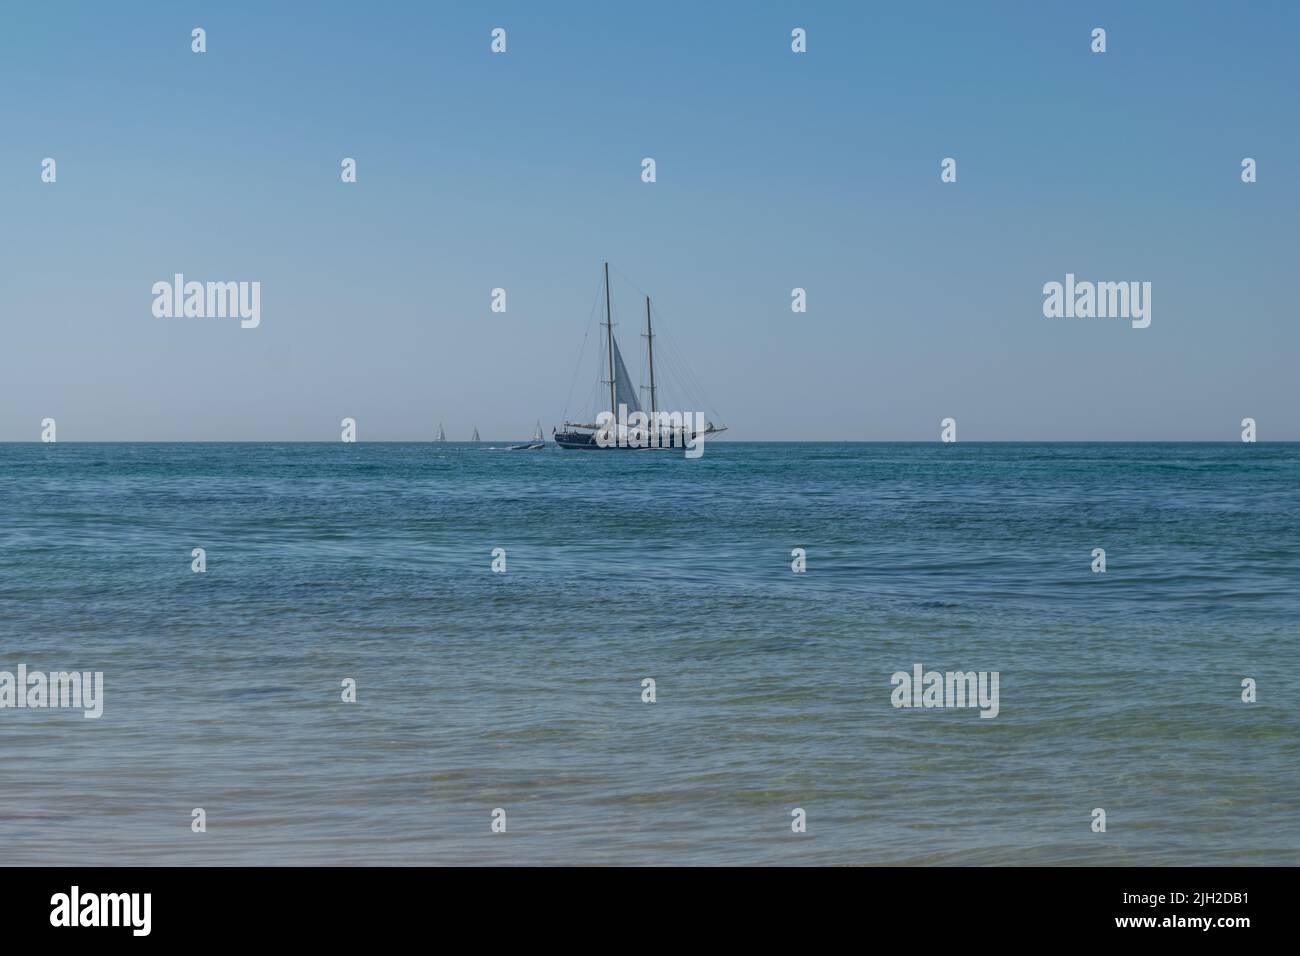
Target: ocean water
pixel 523 691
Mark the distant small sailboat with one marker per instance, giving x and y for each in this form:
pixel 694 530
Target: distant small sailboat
pixel 442 435
pixel 537 441
pixel 475 438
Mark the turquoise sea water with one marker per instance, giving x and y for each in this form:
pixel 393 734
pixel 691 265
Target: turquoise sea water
pixel 478 690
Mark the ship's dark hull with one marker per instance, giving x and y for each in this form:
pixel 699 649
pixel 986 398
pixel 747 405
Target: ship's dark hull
pixel 580 440
pixel 587 441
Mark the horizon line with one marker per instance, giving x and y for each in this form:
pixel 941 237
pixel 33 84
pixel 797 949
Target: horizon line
pixel 716 441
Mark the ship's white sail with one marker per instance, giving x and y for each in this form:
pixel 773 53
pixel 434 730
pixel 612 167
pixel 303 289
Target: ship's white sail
pixel 442 435
pixel 624 390
pixel 537 435
pixel 475 438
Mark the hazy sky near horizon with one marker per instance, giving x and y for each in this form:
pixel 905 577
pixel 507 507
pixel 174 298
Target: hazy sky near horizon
pixel 775 170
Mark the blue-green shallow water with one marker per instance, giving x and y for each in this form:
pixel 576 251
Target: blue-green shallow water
pixel 522 690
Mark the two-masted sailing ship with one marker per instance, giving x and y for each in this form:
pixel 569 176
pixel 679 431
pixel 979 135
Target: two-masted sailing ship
pixel 620 397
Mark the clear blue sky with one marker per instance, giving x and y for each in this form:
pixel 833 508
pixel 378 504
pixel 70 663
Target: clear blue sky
pixel 775 170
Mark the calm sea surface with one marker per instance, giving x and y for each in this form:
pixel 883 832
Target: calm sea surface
pixel 478 690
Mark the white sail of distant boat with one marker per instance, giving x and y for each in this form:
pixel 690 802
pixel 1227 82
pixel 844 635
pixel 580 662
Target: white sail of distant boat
pixel 475 438
pixel 537 434
pixel 442 435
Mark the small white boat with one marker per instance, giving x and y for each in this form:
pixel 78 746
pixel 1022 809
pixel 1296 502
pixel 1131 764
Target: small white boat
pixel 535 443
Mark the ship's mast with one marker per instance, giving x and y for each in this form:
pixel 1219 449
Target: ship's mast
pixel 650 343
pixel 609 328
